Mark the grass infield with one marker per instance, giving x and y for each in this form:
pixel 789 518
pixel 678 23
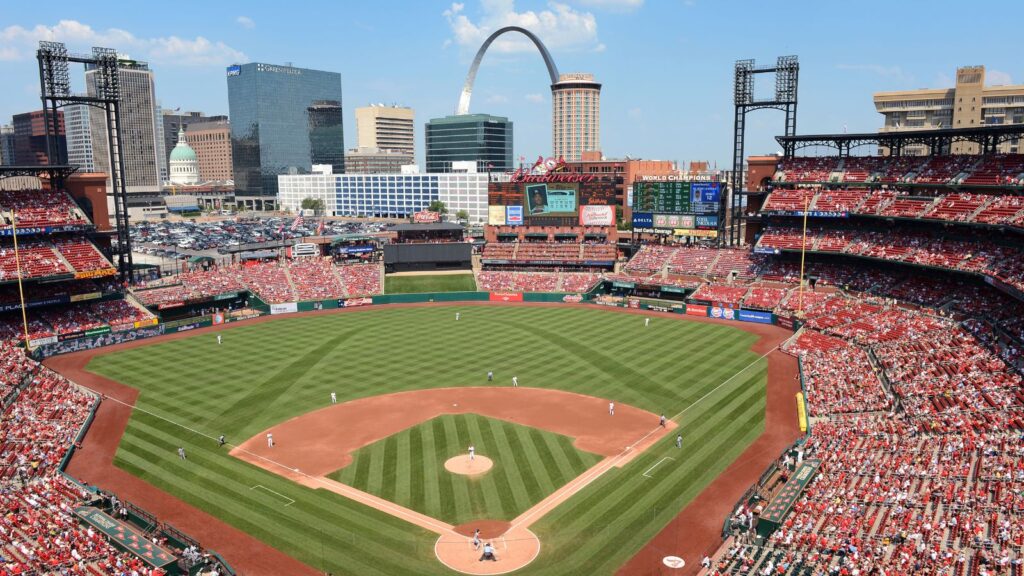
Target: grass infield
pixel 529 464
pixel 429 283
pixel 266 373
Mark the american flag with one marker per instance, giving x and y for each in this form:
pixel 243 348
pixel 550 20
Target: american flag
pixel 297 222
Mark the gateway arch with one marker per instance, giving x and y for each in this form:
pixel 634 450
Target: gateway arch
pixel 467 88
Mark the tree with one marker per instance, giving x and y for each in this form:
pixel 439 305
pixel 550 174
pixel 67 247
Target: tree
pixel 462 215
pixel 437 206
pixel 314 204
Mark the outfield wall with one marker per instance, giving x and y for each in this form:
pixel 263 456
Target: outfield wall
pixel 109 336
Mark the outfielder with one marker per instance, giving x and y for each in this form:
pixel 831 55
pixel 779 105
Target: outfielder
pixel 218 339
pixel 334 398
pixel 515 382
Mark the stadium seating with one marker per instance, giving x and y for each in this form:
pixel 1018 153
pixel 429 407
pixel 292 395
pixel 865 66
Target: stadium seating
pixel 807 169
pixel 729 296
pixel 360 279
pixel 38 260
pixel 790 200
pixel 314 279
pixel 82 255
pixel 36 208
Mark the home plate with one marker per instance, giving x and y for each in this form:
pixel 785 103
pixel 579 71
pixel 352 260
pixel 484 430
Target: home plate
pixel 673 561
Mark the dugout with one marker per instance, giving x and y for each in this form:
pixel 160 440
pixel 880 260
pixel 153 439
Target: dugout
pixel 427 257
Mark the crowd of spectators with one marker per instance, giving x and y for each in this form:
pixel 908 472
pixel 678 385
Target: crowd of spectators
pixel 987 170
pixel 71 319
pixel 518 281
pixel 562 252
pixel 273 281
pixel 38 209
pixel 41 258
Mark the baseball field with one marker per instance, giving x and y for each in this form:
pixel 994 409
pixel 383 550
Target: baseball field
pixel 703 376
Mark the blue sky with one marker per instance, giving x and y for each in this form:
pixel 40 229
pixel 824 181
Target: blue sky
pixel 666 65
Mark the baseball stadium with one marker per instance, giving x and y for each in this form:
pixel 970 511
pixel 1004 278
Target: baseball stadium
pixel 837 391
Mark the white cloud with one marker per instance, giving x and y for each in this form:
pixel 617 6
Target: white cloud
pixel 559 26
pixel 535 98
pixel 245 22
pixel 18 43
pixel 614 5
pixel 997 78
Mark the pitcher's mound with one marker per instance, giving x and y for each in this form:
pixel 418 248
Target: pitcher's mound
pixel 463 465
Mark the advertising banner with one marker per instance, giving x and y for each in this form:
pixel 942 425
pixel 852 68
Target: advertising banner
pixel 166 305
pixel 696 310
pixel 353 302
pixel 722 313
pixel 673 221
pixel 84 297
pixel 95 273
pixel 505 297
pixel 643 220
pixel 496 215
pixel 785 322
pixel 145 323
pixel 426 217
pixel 597 215
pixel 572 298
pixel 543 200
pixel 695 232
pixel 32 304
pixel 127 536
pixel 88 343
pixel 707 222
pixel 766 250
pixel 218 318
pixel 286 308
pixel 755 316
pixel 40 341
pixel 514 216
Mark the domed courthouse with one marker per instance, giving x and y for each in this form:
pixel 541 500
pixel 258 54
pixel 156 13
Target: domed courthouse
pixel 184 164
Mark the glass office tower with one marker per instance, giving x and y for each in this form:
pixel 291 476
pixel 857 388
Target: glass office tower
pixel 483 138
pixel 278 124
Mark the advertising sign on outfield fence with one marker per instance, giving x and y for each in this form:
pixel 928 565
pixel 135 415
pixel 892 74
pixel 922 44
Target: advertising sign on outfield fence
pixel 755 316
pixel 696 310
pixel 286 308
pixel 506 296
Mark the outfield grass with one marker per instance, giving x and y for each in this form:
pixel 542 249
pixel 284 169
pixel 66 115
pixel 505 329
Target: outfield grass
pixel 421 483
pixel 429 283
pixel 266 373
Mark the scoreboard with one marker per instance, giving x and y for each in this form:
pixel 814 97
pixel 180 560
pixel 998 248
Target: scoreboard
pixel 676 197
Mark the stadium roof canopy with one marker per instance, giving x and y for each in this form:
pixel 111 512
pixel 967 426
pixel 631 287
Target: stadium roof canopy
pixel 429 227
pixel 987 137
pixel 61 171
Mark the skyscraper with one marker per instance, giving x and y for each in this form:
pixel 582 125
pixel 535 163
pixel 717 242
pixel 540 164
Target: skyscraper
pixel 326 136
pixel 575 116
pixel 79 135
pixel 386 128
pixel 30 139
pixel 212 144
pixel 139 128
pixel 272 131
pixel 482 138
pixel 6 145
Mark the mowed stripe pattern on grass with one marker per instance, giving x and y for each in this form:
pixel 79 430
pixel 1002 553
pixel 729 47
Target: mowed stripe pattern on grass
pixel 408 468
pixel 266 373
pixel 429 283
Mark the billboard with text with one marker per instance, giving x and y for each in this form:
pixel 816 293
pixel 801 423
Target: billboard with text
pixel 597 215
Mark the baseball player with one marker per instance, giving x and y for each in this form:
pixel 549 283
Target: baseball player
pixel 334 397
pixel 490 375
pixel 220 441
pixel 218 339
pixel 611 408
pixel 647 322
pixel 662 421
pixel 181 453
pixel 515 382
pixel 457 315
pixel 472 452
pixel 679 441
pixel 270 440
pixel 476 539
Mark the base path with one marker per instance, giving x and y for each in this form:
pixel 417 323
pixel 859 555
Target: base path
pixel 696 530
pixel 309 447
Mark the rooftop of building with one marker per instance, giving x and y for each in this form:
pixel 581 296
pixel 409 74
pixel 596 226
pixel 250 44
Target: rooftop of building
pixel 464 118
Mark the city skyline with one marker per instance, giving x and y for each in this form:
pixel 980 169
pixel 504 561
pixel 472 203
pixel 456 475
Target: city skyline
pixel 666 67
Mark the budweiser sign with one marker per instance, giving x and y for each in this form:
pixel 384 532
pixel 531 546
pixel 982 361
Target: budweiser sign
pixel 550 170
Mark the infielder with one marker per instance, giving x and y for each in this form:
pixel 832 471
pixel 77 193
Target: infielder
pixel 334 397
pixel 220 441
pixel 472 452
pixel 611 408
pixel 679 441
pixel 662 421
pixel 270 440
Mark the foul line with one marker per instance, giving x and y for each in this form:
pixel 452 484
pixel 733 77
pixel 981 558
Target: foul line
pixel 598 470
pixel 572 488
pixel 291 500
pixel 656 465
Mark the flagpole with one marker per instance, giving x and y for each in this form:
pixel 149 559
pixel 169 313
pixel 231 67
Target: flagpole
pixel 17 264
